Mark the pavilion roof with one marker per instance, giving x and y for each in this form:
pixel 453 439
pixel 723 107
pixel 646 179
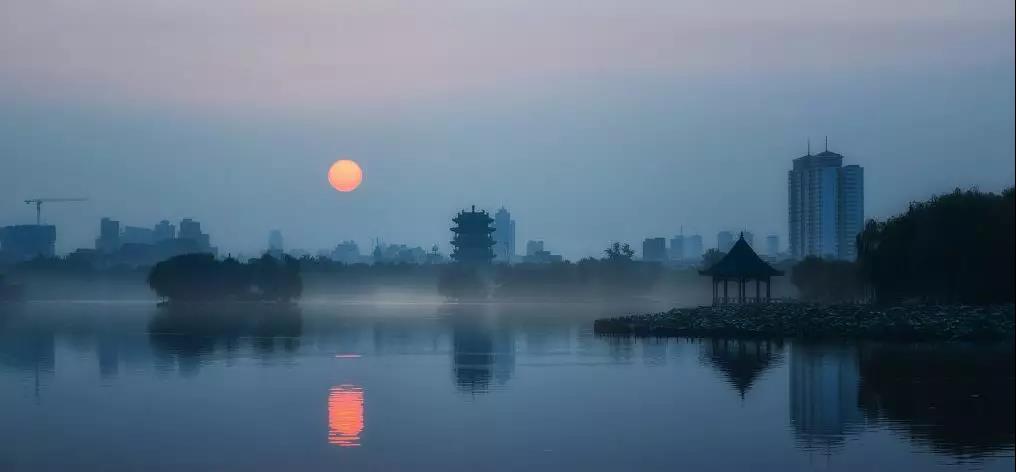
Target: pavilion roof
pixel 741 262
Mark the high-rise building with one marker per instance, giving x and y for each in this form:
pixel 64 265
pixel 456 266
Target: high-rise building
pixel 275 242
pixel 850 209
pixel 772 245
pixel 724 241
pixel 137 235
pixel 109 236
pixel 164 230
pixel 24 242
pixel 533 247
pixel 654 249
pixel 693 247
pixel 504 236
pixel 677 248
pixel 191 230
pixel 826 206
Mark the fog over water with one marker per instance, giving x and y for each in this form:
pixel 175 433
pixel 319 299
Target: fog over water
pixel 467 386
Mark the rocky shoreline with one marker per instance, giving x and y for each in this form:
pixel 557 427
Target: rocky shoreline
pixel 799 320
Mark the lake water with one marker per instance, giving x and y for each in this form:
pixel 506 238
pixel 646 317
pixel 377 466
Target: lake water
pixel 410 386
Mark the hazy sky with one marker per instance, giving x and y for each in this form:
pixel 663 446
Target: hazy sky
pixel 590 120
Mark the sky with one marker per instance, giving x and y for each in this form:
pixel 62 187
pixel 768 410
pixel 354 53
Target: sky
pixel 591 121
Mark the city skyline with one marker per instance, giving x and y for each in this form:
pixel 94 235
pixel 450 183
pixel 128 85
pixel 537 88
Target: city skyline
pixel 570 118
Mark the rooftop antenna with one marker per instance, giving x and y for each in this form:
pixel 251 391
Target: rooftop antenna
pixel 827 143
pixel 809 147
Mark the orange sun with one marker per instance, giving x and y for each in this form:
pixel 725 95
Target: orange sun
pixel 345 175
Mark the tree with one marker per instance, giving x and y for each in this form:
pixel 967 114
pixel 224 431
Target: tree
pixel 953 248
pixel 187 277
pixel 618 252
pixel 202 277
pixel 711 257
pixel 826 280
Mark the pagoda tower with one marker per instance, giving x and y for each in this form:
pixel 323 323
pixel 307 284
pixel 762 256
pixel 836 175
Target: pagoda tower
pixel 473 242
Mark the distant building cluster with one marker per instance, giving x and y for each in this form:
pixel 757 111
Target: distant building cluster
pixel 825 209
pixel 23 242
pixel 537 254
pixel 687 250
pixel 143 246
pixel 654 249
pixel 403 254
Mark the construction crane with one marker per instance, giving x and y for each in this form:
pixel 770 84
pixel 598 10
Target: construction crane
pixel 39 201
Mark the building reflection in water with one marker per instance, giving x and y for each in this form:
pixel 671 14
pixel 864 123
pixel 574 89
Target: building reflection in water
pixel 823 395
pixel 483 352
pixel 27 347
pixel 345 415
pixel 188 336
pixel 742 362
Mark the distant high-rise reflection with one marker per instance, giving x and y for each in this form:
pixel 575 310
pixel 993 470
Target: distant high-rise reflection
pixel 345 415
pixel 823 395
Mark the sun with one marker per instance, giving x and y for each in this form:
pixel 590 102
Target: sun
pixel 345 175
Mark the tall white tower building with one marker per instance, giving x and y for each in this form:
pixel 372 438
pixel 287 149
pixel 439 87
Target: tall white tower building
pixel 504 236
pixel 826 206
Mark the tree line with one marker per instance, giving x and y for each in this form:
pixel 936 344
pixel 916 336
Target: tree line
pixel 953 248
pixel 616 274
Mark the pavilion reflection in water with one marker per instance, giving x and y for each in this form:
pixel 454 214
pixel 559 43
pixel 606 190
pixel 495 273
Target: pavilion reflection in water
pixel 741 361
pixel 345 415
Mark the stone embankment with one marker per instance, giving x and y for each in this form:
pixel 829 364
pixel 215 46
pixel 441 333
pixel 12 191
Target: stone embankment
pixel 800 320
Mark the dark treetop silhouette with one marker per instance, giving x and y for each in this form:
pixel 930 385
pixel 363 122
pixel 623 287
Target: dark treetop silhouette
pixel 196 277
pixel 954 248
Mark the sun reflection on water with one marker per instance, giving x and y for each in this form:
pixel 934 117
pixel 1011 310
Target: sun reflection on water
pixel 345 415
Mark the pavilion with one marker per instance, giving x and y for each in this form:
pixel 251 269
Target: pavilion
pixel 741 265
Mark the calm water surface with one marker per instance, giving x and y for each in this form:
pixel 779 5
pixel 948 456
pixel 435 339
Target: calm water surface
pixel 357 386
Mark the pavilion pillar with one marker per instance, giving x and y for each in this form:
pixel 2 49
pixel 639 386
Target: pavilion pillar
pixel 758 290
pixel 724 291
pixel 769 295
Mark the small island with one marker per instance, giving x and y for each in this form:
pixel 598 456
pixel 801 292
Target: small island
pixel 201 277
pixel 930 274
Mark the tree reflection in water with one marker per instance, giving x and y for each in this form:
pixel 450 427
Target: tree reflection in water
pixel 955 399
pixel 190 334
